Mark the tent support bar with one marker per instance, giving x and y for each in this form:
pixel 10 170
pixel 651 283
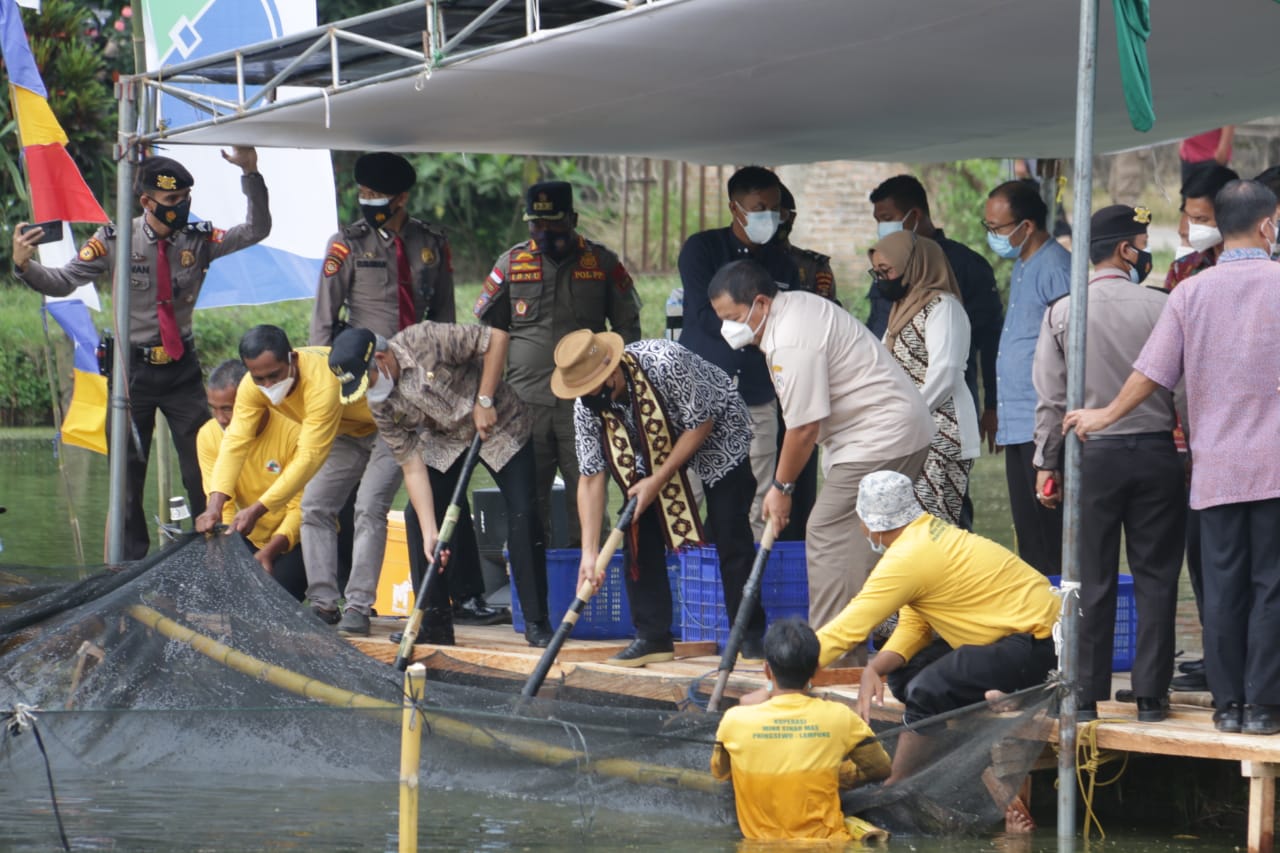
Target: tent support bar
pixel 269 87
pixel 121 424
pixel 481 19
pixel 1079 305
pixel 413 55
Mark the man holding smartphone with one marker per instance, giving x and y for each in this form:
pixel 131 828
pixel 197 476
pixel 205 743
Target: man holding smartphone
pixel 169 257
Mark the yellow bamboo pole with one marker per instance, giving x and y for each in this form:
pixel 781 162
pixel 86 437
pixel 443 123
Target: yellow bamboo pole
pixel 415 679
pixel 865 832
pixel 531 749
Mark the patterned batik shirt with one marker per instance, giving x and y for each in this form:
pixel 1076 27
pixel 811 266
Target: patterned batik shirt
pixel 692 391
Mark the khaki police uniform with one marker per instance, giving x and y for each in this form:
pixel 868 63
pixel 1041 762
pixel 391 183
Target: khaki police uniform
pixel 814 272
pixel 155 380
pixel 538 301
pixel 361 272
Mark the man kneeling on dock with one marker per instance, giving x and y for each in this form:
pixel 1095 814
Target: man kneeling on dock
pixel 993 615
pixel 791 756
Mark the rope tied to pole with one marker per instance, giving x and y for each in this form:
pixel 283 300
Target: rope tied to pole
pixel 22 718
pixel 1089 760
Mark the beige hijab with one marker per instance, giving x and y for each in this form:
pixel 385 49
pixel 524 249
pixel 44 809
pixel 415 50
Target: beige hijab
pixel 925 271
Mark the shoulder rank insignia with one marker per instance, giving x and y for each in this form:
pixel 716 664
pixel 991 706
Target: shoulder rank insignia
pixel 109 232
pixel 621 278
pixel 203 227
pixel 337 255
pixel 92 250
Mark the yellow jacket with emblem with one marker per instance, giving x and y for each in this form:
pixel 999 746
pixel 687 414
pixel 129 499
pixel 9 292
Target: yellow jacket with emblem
pixel 271 450
pixel 361 271
pixel 539 300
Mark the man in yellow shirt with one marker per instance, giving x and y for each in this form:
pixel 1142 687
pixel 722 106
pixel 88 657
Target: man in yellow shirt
pixel 332 453
pixel 993 615
pixel 790 756
pixel 274 539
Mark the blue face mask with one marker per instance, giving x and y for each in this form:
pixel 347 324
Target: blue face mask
pixel 1001 245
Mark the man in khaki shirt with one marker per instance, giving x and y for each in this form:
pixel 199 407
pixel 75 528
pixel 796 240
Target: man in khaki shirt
pixel 431 388
pixel 839 387
pixel 1132 476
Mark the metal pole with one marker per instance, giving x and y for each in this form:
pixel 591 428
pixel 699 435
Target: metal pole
pixel 126 94
pixel 644 216
pixel 1083 204
pixel 626 208
pixel 665 195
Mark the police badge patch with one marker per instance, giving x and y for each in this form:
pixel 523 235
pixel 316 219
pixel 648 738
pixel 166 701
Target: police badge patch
pixel 428 255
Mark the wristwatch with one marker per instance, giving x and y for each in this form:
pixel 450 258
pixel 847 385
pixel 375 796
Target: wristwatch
pixel 785 488
pixel 484 402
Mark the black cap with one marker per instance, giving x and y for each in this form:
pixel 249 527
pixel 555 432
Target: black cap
pixel 788 200
pixel 551 200
pixel 384 172
pixel 1117 222
pixel 350 359
pixel 162 174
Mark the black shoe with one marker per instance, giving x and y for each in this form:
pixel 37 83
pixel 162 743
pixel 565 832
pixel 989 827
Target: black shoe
pixel 1188 667
pixel 328 617
pixel 1192 682
pixel 1229 719
pixel 437 628
pixel 1087 712
pixel 751 650
pixel 1126 695
pixel 538 634
pixel 1261 720
pixel 476 611
pixel 1153 710
pixel 642 652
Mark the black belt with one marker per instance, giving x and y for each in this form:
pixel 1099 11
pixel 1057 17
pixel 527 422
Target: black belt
pixel 1166 435
pixel 157 355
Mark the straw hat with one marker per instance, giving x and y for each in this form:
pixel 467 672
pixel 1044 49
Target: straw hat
pixel 584 361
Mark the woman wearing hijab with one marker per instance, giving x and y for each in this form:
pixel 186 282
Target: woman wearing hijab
pixel 928 335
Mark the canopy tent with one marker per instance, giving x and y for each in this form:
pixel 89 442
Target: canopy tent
pixel 720 81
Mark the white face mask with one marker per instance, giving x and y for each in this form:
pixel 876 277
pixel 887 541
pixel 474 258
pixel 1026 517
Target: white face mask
pixel 380 391
pixel 761 225
pixel 738 335
pixel 1273 242
pixel 277 392
pixel 884 229
pixel 876 547
pixel 1203 237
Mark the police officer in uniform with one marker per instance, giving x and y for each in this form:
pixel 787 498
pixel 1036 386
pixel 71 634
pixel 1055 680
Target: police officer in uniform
pixel 389 270
pixel 169 257
pixel 813 269
pixel 539 291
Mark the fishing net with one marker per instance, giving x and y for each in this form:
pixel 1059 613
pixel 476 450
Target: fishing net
pixel 194 663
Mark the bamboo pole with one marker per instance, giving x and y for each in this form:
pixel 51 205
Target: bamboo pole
pixel 415 679
pixel 531 749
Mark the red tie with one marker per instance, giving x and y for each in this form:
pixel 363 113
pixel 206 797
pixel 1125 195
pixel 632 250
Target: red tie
pixel 406 293
pixel 170 337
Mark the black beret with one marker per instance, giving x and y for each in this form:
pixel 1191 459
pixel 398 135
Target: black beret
pixel 548 200
pixel 162 174
pixel 384 172
pixel 1117 222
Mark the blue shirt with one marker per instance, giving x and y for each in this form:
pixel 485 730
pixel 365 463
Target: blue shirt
pixel 700 257
pixel 1043 278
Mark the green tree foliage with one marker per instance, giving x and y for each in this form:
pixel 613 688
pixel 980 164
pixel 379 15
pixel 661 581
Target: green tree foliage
pixel 957 192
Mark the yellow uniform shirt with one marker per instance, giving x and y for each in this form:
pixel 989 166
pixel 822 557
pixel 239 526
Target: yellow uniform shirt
pixel 786 758
pixel 267 456
pixel 312 404
pixel 970 590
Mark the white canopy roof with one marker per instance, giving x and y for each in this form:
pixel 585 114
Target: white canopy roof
pixel 790 81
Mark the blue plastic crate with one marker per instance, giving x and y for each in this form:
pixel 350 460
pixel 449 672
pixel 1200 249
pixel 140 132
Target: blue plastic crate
pixel 784 590
pixel 607 615
pixel 1126 642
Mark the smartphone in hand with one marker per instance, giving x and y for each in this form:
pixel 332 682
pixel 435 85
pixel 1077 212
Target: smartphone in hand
pixel 52 231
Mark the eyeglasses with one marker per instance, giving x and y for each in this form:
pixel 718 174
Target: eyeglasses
pixel 877 275
pixel 994 229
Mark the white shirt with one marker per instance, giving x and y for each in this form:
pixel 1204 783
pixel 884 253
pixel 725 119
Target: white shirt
pixel 828 367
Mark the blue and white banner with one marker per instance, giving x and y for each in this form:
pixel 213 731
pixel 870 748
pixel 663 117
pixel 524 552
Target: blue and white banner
pixel 286 265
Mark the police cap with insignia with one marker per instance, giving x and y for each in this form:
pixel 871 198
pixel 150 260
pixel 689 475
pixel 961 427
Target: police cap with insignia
pixel 350 359
pixel 162 174
pixel 552 200
pixel 1118 222
pixel 384 172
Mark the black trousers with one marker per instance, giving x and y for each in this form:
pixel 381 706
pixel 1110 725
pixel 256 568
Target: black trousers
pixel 1137 484
pixel 177 390
pixel 1195 566
pixel 1241 551
pixel 525 542
pixel 940 678
pixel 1037 528
pixel 728 527
pixel 289 571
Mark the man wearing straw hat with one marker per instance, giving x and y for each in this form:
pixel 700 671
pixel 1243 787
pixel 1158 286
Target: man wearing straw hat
pixel 647 412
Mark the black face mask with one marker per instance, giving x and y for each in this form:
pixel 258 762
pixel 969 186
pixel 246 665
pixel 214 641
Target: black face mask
pixel 556 245
pixel 377 215
pixel 892 289
pixel 598 403
pixel 175 216
pixel 1142 265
